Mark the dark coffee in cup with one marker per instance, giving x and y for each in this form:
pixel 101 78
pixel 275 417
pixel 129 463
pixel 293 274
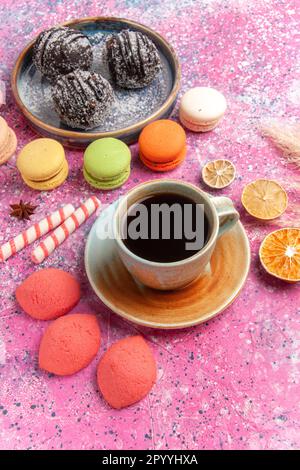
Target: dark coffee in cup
pixel 165 228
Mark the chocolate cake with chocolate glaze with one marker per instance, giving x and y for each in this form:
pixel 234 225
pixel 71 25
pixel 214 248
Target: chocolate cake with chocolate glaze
pixel 82 98
pixel 61 50
pixel 133 59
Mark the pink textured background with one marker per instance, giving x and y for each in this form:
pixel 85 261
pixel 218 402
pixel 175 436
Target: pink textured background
pixel 232 383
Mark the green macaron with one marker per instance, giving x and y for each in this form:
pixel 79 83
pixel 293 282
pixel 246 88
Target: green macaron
pixel 106 163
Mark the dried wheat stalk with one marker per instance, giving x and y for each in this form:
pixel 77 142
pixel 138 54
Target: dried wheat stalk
pixel 286 137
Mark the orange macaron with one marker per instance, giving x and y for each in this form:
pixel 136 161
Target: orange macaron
pixel 162 145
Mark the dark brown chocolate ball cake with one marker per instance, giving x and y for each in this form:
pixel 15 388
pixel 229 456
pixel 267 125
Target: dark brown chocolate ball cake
pixel 133 59
pixel 61 50
pixel 82 98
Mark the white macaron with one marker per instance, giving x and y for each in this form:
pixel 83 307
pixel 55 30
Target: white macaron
pixel 201 109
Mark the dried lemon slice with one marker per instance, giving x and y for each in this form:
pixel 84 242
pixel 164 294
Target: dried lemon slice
pixel 218 173
pixel 264 199
pixel 279 254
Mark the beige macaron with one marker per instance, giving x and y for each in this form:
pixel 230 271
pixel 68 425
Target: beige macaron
pixel 201 109
pixel 42 164
pixel 8 141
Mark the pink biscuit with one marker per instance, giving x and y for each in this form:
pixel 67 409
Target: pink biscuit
pixel 126 372
pixel 69 344
pixel 48 294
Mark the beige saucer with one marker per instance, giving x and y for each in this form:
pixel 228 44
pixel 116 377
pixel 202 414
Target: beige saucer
pixel 202 300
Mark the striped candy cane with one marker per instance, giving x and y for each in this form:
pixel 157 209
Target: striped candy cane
pixel 56 238
pixel 34 232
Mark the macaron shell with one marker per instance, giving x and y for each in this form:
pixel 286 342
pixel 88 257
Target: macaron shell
pixel 11 145
pixel 41 159
pixel 106 158
pixel 204 104
pixel 161 141
pixel 107 184
pixel 167 166
pixel 51 183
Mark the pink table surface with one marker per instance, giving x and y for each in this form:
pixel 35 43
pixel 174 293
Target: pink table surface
pixel 232 383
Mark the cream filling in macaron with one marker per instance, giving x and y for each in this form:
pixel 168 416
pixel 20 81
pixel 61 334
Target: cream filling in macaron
pixel 166 164
pixel 50 183
pixel 50 176
pixel 108 180
pixel 203 126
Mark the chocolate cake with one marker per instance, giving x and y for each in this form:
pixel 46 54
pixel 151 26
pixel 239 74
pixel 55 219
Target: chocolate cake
pixel 82 98
pixel 61 50
pixel 133 59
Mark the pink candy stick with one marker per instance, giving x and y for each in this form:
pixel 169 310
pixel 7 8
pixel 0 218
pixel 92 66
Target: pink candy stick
pixel 34 232
pixel 59 235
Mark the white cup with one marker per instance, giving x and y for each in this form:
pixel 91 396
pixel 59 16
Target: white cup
pixel 221 216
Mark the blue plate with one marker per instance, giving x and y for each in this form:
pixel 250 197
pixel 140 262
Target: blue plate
pixel 132 110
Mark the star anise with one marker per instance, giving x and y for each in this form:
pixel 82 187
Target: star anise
pixel 23 210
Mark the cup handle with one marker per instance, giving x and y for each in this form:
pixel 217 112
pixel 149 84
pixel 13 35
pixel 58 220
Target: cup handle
pixel 228 215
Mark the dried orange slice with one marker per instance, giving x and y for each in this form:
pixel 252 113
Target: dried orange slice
pixel 279 254
pixel 264 199
pixel 218 174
